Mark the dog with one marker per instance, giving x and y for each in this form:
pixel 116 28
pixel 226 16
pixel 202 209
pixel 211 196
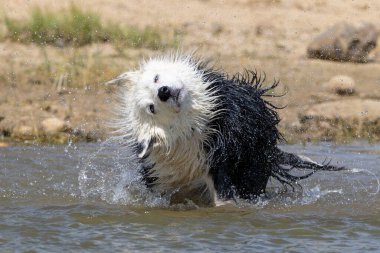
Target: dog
pixel 202 135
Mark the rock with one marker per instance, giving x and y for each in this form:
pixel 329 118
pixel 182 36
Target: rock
pixel 344 42
pixel 296 125
pixel 341 85
pixel 325 124
pixel 53 126
pixel 360 109
pixel 22 131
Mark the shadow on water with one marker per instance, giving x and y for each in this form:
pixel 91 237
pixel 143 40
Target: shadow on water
pixel 88 196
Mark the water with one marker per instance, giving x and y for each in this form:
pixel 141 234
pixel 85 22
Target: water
pixel 74 198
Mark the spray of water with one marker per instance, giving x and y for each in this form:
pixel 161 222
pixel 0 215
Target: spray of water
pixel 111 174
pixel 376 178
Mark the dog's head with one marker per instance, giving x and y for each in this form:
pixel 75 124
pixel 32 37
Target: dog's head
pixel 166 99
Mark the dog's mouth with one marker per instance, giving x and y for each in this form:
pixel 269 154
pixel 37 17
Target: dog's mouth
pixel 176 97
pixel 177 100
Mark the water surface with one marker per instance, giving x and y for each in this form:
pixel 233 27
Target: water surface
pixel 87 197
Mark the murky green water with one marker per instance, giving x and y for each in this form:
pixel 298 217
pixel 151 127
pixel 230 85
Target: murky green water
pixel 74 198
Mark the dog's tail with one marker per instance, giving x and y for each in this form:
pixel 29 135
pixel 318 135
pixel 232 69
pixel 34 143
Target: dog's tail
pixel 286 162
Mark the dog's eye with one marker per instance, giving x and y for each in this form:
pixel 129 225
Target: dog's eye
pixel 156 79
pixel 151 108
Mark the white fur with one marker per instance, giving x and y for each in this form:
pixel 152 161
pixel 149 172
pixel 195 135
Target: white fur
pixel 178 130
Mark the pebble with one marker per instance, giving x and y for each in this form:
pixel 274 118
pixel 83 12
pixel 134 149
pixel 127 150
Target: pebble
pixel 341 85
pixel 53 126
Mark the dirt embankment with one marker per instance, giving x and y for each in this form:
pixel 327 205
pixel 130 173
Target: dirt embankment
pixel 55 94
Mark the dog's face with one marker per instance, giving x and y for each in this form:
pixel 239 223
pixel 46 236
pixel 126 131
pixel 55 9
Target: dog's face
pixel 162 91
pixel 166 99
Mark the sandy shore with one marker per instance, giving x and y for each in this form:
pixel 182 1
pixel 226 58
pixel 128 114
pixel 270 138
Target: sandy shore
pixel 269 36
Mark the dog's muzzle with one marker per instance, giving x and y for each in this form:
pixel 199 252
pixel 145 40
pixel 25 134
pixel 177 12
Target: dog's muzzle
pixel 164 93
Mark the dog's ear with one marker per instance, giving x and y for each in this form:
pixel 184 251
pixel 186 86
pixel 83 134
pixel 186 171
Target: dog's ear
pixel 130 76
pixel 144 148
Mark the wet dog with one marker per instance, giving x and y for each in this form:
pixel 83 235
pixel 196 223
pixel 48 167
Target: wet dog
pixel 202 135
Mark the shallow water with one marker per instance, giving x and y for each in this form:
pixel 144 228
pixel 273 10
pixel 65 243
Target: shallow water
pixel 86 197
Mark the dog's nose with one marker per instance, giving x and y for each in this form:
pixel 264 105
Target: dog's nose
pixel 164 93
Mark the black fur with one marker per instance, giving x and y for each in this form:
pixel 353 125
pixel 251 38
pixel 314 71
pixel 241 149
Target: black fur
pixel 244 155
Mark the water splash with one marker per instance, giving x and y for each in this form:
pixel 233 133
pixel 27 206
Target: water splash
pixel 111 175
pixel 312 195
pixel 376 178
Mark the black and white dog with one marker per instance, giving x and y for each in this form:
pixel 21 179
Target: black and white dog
pixel 202 135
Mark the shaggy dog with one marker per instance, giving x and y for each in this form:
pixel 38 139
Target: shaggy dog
pixel 200 134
